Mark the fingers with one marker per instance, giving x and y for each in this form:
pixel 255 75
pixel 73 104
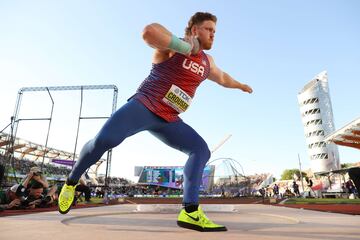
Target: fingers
pixel 14 203
pixel 195 45
pixel 247 89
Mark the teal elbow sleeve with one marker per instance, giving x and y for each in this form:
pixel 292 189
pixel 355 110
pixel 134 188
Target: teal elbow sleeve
pixel 179 45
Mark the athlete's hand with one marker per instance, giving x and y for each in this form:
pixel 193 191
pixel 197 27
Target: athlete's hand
pixel 195 44
pixel 246 88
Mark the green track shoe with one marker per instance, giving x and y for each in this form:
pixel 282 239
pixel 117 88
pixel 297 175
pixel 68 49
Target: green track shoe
pixel 198 221
pixel 66 198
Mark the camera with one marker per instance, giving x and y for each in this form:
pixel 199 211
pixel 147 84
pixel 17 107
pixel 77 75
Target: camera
pixel 45 201
pixel 24 203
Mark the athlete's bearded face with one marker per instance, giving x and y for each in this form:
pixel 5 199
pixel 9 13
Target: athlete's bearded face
pixel 205 32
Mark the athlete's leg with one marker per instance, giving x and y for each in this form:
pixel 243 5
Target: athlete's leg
pixel 181 136
pixel 131 118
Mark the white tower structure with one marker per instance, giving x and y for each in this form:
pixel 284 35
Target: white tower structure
pixel 317 118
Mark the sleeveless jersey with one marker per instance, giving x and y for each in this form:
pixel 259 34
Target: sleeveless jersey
pixel 172 84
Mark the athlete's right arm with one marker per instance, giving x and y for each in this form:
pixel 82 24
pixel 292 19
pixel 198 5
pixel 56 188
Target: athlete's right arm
pixel 158 37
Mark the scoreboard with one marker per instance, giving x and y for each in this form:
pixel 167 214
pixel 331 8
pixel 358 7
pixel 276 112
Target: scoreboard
pixel 172 176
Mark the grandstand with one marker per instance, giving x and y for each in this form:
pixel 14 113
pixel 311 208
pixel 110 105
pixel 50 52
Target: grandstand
pixel 27 154
pixel 348 136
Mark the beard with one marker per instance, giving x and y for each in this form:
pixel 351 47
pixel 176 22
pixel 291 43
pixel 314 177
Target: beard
pixel 207 45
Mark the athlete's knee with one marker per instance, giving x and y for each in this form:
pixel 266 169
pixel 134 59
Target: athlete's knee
pixel 207 154
pixel 203 152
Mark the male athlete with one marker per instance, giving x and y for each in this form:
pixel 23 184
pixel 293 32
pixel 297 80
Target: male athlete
pixel 179 66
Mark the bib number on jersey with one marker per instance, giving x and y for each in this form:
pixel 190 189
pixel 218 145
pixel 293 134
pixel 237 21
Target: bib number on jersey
pixel 177 98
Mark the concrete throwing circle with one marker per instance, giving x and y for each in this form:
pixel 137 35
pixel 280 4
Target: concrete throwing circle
pixel 166 222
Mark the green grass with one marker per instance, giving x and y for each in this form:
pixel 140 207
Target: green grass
pixel 322 201
pixel 94 200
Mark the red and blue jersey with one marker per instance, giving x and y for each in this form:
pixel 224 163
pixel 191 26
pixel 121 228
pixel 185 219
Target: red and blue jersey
pixel 172 84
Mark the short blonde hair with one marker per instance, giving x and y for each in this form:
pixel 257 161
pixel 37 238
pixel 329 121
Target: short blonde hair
pixel 198 18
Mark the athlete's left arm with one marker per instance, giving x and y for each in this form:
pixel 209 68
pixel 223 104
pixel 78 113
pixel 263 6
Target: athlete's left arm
pixel 224 79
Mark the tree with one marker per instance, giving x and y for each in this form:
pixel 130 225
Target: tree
pixel 288 174
pixel 346 165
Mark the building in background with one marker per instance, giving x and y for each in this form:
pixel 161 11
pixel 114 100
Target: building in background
pixel 317 118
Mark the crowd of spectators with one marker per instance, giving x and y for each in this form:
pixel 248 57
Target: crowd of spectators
pixel 239 186
pixel 22 167
pixel 34 190
pixel 118 186
pixel 114 181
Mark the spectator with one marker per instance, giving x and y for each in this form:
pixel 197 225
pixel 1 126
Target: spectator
pixel 276 190
pixel 350 186
pixel 222 191
pixel 309 183
pixel 288 193
pixel 296 189
pixel 262 192
pixel 99 192
pixel 82 188
pixel 2 173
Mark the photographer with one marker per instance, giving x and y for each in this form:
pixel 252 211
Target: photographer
pixel 34 190
pixel 34 196
pixel 8 198
pixel 83 188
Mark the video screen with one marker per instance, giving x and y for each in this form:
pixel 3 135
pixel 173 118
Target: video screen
pixel 173 176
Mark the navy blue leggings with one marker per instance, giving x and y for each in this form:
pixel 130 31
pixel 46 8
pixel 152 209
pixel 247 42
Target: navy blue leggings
pixel 134 117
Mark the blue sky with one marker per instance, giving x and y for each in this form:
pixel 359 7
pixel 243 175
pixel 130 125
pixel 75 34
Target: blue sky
pixel 276 47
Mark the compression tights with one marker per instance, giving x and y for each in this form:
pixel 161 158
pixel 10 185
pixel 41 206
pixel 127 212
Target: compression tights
pixel 134 117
